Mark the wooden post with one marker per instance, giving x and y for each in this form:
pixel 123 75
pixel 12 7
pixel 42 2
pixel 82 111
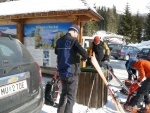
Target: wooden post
pixel 20 30
pixel 79 23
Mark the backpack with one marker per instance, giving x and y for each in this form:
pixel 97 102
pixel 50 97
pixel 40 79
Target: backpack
pixel 53 91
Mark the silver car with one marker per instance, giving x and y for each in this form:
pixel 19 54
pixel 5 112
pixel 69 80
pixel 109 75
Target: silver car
pixel 21 89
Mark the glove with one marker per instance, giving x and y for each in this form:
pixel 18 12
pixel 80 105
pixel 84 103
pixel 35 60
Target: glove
pixel 138 82
pixel 83 60
pixel 106 58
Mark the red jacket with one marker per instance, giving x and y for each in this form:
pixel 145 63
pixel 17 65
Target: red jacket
pixel 143 66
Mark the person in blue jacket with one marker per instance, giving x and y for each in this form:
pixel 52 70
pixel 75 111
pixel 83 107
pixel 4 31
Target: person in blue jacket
pixel 131 71
pixel 68 51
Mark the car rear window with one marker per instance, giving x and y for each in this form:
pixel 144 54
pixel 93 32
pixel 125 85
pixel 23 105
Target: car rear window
pixel 145 50
pixel 115 46
pixel 125 48
pixel 13 52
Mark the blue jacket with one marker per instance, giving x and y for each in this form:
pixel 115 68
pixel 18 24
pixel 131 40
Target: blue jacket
pixel 68 51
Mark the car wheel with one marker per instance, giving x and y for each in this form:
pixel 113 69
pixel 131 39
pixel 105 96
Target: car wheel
pixel 126 57
pixel 116 57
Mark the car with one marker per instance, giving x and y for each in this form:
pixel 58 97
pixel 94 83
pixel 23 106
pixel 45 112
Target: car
pixel 114 46
pixel 144 54
pixel 125 52
pixel 21 89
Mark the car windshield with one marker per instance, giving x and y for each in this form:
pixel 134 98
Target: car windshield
pixel 12 52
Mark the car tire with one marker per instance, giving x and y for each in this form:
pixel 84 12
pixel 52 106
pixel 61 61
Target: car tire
pixel 127 57
pixel 116 57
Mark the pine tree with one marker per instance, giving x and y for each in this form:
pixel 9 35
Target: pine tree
pixel 147 29
pixel 127 25
pixel 139 26
pixel 90 28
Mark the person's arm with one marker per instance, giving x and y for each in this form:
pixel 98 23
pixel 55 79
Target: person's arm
pixel 107 50
pixel 141 71
pixel 128 68
pixel 80 50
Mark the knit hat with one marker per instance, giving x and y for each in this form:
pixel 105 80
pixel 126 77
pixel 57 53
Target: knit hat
pixel 131 62
pixel 96 39
pixel 75 27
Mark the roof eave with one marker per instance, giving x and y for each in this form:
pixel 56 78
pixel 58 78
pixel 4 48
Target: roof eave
pixel 92 15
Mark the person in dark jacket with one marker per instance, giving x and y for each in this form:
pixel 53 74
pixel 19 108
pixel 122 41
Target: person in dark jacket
pixel 68 51
pixel 99 47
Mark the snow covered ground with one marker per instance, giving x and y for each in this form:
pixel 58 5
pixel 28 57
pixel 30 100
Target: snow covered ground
pixel 109 107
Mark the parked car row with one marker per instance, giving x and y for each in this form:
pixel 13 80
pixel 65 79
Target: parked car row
pixel 124 52
pixel 119 51
pixel 144 54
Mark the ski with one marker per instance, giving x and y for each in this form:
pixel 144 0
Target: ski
pixel 97 67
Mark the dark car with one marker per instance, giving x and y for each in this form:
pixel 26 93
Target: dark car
pixel 124 52
pixel 21 89
pixel 144 54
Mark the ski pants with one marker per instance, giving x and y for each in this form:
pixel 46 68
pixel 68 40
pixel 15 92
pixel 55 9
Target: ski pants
pixel 68 95
pixel 142 93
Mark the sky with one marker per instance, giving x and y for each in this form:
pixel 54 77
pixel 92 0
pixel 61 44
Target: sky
pixel 135 5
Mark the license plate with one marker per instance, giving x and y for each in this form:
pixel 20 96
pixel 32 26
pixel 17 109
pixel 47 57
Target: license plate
pixel 12 88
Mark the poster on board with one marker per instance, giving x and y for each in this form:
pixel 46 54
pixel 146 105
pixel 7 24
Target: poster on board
pixel 40 40
pixel 9 29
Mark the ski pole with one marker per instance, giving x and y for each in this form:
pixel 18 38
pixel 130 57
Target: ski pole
pixel 91 92
pixel 123 85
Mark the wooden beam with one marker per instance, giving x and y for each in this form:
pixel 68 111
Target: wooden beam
pixel 20 31
pixel 84 18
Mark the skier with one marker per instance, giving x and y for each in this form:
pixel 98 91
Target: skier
pixel 143 66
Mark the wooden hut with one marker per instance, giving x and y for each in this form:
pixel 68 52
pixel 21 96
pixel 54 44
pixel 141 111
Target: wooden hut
pixel 22 12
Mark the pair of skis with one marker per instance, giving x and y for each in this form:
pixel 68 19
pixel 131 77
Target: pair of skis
pixel 97 67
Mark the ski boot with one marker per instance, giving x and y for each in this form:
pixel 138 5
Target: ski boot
pixel 131 109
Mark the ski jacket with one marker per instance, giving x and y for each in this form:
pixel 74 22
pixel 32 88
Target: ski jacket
pixel 143 66
pixel 68 51
pixel 98 49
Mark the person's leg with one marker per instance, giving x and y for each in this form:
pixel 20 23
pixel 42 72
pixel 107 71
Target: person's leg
pixel 71 94
pixel 144 89
pixel 100 62
pixel 63 98
pixel 129 76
